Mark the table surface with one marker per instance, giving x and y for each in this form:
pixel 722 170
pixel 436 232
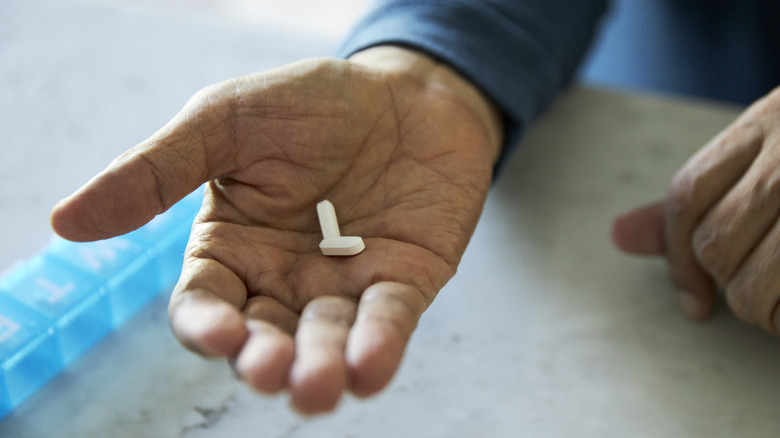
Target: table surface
pixel 546 331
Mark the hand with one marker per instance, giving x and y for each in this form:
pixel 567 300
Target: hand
pixel 719 226
pixel 404 149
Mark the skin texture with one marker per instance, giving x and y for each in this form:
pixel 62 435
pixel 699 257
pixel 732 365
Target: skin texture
pixel 401 145
pixel 404 148
pixel 719 227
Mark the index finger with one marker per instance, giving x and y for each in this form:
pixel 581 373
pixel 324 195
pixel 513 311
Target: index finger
pixel 204 309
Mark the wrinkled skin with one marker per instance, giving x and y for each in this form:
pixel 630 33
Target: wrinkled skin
pixel 719 227
pixel 404 149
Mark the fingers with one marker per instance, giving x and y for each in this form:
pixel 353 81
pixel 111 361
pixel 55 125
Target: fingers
pixel 737 242
pixel 690 228
pixel 734 227
pixel 696 189
pixel 266 358
pixel 149 178
pixel 754 292
pixel 204 309
pixel 641 231
pixel 334 345
pixel 387 316
pixel 319 374
pixel 339 345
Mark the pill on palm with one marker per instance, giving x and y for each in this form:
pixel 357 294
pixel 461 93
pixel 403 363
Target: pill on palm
pixel 333 243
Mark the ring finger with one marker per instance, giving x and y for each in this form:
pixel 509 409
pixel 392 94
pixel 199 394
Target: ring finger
pixel 319 375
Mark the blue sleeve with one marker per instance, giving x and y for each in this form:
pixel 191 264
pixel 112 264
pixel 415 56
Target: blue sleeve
pixel 518 52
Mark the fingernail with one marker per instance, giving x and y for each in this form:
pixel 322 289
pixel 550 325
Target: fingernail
pixel 690 304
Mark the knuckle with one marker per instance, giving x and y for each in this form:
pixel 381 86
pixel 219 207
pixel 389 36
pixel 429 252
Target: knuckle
pixel 682 195
pixel 753 294
pixel 740 300
pixel 711 252
pixel 748 298
pixel 766 190
pixel 202 97
pixel 216 97
pixel 714 253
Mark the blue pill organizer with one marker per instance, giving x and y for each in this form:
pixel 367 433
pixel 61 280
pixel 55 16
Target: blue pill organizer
pixel 59 303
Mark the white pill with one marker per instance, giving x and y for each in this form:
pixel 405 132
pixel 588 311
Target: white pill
pixel 333 243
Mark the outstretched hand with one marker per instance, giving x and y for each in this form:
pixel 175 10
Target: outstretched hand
pixel 720 225
pixel 404 149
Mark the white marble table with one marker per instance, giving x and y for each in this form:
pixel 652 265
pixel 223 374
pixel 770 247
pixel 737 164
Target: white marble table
pixel 546 331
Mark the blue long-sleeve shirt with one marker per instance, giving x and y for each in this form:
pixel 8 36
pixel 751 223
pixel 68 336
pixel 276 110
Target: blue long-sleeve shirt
pixel 521 52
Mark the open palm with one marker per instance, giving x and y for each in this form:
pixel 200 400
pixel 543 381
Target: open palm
pixel 405 160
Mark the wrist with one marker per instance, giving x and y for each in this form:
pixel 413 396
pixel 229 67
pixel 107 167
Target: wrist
pixel 408 63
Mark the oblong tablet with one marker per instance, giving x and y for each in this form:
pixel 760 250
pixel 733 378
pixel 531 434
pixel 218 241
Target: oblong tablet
pixel 342 246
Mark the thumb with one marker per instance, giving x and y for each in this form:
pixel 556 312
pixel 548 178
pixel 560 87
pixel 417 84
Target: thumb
pixel 151 177
pixel 641 231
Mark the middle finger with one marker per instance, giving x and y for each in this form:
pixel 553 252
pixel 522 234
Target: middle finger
pixel 732 229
